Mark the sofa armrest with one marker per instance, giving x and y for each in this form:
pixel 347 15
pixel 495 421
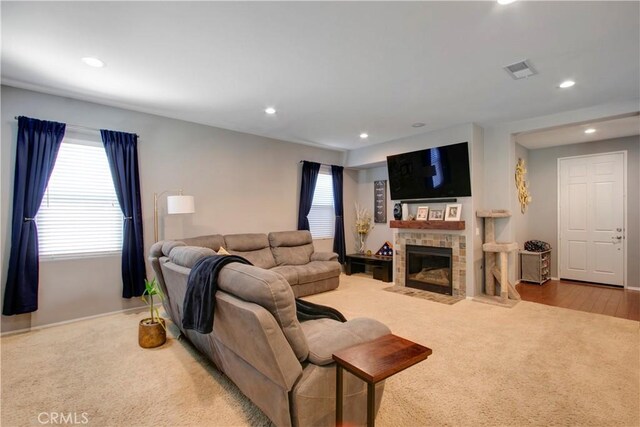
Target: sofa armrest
pixel 324 256
pixel 187 256
pixel 252 333
pixel 156 250
pixel 326 336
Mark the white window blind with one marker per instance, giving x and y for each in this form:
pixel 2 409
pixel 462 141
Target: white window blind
pixel 322 215
pixel 80 214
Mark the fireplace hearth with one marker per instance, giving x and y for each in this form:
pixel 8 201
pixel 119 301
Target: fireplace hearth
pixel 429 268
pixel 455 242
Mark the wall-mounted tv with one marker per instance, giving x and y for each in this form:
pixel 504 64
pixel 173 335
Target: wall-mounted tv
pixel 438 172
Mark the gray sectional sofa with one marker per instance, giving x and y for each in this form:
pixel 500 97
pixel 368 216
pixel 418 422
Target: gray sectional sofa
pixel 284 366
pixel 290 253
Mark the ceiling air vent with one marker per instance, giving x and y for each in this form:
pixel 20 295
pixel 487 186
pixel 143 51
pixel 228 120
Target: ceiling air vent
pixel 520 70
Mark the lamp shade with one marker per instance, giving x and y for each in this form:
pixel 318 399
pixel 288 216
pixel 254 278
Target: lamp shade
pixel 180 204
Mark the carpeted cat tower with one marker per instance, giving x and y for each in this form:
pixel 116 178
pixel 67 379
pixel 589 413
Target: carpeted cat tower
pixel 508 296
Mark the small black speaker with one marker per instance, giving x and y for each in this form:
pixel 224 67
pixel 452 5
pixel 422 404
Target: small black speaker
pixel 397 211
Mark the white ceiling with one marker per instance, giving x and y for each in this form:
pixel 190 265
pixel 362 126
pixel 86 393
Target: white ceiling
pixel 332 69
pixel 574 134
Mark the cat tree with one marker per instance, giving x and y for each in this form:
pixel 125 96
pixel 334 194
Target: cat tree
pixel 492 249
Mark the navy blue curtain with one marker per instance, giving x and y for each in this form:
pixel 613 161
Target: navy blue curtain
pixel 122 152
pixel 339 246
pixel 37 149
pixel 307 188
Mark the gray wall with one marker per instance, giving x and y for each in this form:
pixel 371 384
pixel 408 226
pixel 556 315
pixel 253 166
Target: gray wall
pixel 241 183
pixel 543 211
pixel 477 224
pixel 499 154
pixel 373 161
pixel 520 220
pixel 380 232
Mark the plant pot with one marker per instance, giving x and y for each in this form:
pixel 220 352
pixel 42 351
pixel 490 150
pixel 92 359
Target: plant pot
pixel 151 335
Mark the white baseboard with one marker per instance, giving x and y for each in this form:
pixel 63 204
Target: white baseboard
pixel 64 322
pixel 633 288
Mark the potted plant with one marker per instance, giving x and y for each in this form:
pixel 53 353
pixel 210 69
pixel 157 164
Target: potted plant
pixel 152 331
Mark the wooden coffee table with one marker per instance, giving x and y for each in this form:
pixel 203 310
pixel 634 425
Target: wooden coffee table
pixel 374 361
pixel 382 266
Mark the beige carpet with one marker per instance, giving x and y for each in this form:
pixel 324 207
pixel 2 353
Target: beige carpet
pixel 530 365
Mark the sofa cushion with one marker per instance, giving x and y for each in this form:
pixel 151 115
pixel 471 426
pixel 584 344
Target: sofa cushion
pixel 252 246
pixel 290 238
pixel 289 272
pixel 271 291
pixel 246 242
pixel 291 247
pixel 187 256
pixel 261 258
pixel 317 270
pixel 327 336
pixel 324 256
pixel 213 241
pixel 168 245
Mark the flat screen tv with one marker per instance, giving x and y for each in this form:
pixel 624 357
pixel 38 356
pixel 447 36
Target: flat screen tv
pixel 438 172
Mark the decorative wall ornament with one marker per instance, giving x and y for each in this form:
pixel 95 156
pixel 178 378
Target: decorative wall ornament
pixel 380 201
pixel 521 185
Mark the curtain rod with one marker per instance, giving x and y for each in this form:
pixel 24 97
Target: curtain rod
pixel 323 164
pixel 72 127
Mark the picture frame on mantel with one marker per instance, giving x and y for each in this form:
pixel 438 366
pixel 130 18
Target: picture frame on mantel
pixel 422 213
pixel 453 212
pixel 436 214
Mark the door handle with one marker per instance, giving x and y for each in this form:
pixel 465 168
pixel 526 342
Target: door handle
pixel 616 238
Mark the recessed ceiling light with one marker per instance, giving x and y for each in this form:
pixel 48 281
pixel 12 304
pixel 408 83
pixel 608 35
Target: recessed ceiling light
pixel 505 1
pixel 567 83
pixel 418 125
pixel 364 135
pixel 590 130
pixel 93 62
pixel 270 110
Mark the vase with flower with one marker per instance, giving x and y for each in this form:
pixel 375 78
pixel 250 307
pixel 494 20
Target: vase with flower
pixel 362 227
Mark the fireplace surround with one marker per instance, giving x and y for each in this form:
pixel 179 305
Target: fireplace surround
pixel 428 268
pixel 457 244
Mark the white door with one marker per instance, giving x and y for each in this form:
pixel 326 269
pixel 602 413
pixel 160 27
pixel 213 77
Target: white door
pixel 592 208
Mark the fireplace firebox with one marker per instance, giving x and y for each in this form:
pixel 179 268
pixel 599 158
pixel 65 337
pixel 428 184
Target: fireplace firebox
pixel 429 268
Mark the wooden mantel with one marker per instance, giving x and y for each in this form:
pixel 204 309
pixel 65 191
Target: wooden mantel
pixel 428 225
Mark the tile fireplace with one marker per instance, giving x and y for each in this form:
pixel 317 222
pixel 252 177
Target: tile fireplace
pixel 452 245
pixel 428 268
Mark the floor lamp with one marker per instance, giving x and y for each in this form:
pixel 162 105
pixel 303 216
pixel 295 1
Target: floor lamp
pixel 179 204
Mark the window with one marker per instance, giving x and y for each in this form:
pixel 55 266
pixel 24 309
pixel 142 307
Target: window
pixel 80 214
pixel 322 216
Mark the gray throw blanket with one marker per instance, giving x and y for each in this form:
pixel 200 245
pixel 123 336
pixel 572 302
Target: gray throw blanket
pixel 202 285
pixel 200 301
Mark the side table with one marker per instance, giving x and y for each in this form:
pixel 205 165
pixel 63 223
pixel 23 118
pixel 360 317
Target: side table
pixel 382 265
pixel 374 361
